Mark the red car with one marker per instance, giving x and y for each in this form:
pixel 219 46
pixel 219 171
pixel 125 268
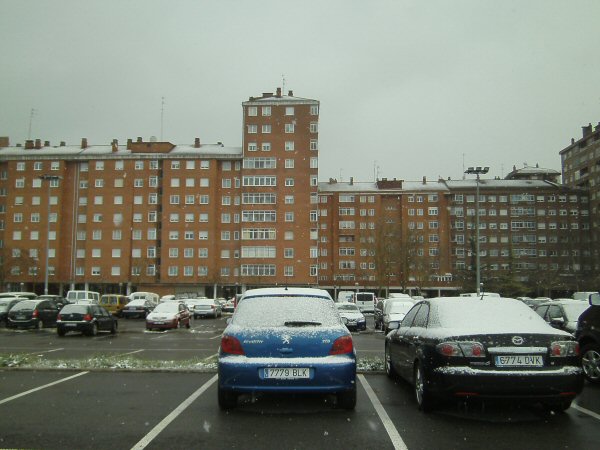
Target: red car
pixel 168 315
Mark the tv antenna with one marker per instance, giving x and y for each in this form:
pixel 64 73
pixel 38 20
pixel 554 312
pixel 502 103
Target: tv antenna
pixel 162 116
pixel 31 114
pixel 283 82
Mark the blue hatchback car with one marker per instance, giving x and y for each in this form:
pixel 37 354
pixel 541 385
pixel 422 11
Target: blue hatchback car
pixel 287 340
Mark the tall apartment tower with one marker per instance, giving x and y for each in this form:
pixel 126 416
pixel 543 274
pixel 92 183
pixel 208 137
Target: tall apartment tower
pixel 581 168
pixel 279 233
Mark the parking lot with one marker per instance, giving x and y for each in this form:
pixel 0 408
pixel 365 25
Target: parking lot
pixel 158 409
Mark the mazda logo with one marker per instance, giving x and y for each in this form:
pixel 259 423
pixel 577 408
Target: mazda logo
pixel 517 340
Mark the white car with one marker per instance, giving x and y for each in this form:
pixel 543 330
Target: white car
pixel 351 315
pixel 394 311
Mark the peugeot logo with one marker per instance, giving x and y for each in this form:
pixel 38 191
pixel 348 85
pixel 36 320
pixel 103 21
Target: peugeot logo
pixel 286 339
pixel 517 340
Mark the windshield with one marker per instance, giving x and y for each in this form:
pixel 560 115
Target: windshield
pixel 286 311
pixel 77 309
pixel 24 305
pixel 349 307
pixel 170 307
pixel 487 315
pixel 400 308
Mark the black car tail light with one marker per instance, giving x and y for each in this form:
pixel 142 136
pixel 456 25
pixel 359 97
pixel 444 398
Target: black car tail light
pixel 562 349
pixel 59 317
pixel 35 314
pixel 342 345
pixel 231 345
pixel 461 349
pixel 88 317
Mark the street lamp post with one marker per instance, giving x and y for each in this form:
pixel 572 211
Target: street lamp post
pixel 50 179
pixel 477 171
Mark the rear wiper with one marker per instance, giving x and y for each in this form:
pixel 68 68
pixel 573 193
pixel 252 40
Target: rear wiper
pixel 298 323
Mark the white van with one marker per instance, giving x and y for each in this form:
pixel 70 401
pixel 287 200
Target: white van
pixel 365 301
pixel 88 296
pixel 345 296
pixel 150 296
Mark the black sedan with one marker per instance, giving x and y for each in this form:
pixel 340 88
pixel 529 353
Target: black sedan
pixel 32 314
pixel 87 319
pixel 490 348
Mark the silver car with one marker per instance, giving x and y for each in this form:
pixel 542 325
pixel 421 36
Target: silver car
pixel 207 307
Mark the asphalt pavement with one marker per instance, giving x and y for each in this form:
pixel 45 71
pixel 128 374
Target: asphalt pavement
pixel 123 409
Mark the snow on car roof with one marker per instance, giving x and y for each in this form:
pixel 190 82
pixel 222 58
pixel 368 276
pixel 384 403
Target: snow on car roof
pixel 490 315
pixel 287 292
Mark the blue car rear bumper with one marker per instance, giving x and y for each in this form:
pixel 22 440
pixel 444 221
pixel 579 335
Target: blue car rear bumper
pixel 326 375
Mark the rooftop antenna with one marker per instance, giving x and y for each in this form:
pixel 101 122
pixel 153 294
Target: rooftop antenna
pixel 464 177
pixel 162 115
pixel 283 82
pixel 31 114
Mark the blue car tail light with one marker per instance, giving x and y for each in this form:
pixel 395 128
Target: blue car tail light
pixel 231 345
pixel 342 346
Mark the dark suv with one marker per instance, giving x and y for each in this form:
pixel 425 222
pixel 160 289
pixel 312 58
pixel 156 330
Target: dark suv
pixel 588 335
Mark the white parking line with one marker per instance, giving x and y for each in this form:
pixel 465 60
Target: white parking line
pixel 585 411
pixel 392 432
pixel 215 337
pixel 171 417
pixel 22 394
pixel 131 353
pixel 47 351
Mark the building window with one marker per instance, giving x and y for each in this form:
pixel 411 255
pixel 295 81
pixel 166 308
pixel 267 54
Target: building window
pixel 266 110
pixel 289 146
pixel 289 127
pixel 252 129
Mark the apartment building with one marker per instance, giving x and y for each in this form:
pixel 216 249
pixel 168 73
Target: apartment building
pixel 212 219
pixel 279 233
pixel 419 237
pixel 201 218
pixel 581 168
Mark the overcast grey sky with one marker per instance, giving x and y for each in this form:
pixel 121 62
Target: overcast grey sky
pixel 411 87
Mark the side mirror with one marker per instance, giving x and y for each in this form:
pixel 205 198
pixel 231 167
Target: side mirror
pixel 595 299
pixel 345 320
pixel 558 322
pixel 393 325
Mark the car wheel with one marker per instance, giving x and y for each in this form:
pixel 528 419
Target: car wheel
pixel 227 399
pixel 40 324
pixel 94 329
pixel 590 360
pixel 113 329
pixel 60 332
pixel 389 368
pixel 347 399
pixel 424 399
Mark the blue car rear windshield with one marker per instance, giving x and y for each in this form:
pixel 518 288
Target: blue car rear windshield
pixel 286 311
